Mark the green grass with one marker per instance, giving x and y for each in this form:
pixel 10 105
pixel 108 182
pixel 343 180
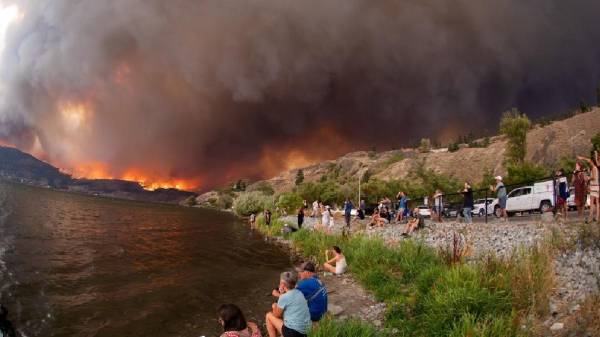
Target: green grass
pixel 427 296
pixel 350 328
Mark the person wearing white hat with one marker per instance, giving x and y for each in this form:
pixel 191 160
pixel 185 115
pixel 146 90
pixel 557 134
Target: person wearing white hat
pixel 500 190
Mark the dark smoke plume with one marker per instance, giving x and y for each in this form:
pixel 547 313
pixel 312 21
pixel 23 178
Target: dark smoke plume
pixel 210 88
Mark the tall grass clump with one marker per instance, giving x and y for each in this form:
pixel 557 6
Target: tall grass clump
pixel 427 296
pixel 350 328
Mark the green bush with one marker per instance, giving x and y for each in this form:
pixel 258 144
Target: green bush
pixel 289 201
pixel 525 172
pixel 252 202
pixel 453 147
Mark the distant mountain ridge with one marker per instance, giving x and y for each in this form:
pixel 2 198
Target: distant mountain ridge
pixel 546 145
pixel 21 167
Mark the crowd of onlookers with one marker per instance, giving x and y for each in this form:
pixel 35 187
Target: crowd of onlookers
pixel 301 302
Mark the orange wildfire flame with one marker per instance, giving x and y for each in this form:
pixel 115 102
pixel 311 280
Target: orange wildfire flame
pixel 151 182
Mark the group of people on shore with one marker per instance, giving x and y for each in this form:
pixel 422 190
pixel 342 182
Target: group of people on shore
pixel 302 301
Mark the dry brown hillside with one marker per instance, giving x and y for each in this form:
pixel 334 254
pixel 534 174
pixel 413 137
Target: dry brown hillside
pixel 545 145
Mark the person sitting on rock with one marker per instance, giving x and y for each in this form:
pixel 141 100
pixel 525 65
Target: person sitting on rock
pixel 378 220
pixel 338 258
pixel 290 316
pixel 313 289
pixel 234 324
pixel 417 221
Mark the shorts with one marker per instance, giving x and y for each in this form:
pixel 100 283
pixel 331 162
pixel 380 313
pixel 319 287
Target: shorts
pixel 287 332
pixel 502 202
pixel 594 190
pixel 560 201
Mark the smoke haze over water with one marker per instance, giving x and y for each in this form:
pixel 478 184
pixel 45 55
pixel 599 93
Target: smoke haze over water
pixel 215 90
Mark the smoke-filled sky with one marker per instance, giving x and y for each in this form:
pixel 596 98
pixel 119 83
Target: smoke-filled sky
pixel 206 91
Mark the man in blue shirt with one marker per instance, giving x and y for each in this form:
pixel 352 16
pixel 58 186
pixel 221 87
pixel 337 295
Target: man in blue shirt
pixel 313 290
pixel 348 206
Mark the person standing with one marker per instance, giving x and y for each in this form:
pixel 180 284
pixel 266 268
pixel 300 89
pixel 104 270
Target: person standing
pixel 290 315
pixel 562 194
pixel 267 216
pixel 594 186
pixel 348 206
pixel 401 205
pixel 467 193
pixel 300 217
pixel 501 194
pixel 252 220
pixel 315 209
pixel 579 181
pixel 438 204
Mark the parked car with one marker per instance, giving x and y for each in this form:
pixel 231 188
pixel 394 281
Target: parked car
pixel 479 207
pixel 452 210
pixel 538 197
pixel 424 211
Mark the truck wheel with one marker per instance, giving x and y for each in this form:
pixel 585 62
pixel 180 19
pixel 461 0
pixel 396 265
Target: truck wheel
pixel 545 206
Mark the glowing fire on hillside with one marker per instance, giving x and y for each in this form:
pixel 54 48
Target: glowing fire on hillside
pixel 151 182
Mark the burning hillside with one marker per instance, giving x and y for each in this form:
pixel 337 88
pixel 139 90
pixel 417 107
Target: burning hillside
pixel 196 93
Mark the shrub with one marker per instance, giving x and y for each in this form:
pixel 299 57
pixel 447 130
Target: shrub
pixel 453 147
pixel 525 172
pixel 252 202
pixel 190 201
pixel 289 201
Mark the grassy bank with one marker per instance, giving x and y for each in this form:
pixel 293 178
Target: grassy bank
pixel 428 294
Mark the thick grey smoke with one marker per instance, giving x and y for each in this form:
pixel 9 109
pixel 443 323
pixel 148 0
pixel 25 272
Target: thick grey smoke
pixel 189 88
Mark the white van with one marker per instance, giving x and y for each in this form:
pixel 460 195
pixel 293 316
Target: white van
pixel 539 197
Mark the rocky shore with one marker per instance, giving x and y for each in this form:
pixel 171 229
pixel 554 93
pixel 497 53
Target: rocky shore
pixel 576 266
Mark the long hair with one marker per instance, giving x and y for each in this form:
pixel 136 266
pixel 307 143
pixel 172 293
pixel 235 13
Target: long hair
pixel 232 317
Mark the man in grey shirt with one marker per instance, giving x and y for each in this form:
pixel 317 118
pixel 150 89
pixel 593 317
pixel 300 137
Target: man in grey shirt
pixel 500 190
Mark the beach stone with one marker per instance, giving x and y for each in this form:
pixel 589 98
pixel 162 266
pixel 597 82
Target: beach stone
pixel 557 326
pixel 335 309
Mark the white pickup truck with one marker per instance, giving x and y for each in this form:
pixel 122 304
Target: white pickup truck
pixel 539 197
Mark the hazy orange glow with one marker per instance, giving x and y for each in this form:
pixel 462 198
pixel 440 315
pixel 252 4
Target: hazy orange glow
pixel 97 170
pixel 122 74
pixel 74 115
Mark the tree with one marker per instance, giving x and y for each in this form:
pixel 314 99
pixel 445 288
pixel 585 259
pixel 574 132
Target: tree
pixel 514 125
pixel 251 202
pixel 425 145
pixel 596 142
pixel 299 177
pixel 584 107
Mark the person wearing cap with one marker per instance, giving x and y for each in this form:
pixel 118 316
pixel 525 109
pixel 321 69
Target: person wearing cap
pixel 312 288
pixel 500 190
pixel 290 316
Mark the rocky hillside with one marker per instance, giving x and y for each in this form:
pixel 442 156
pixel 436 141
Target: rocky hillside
pixel 546 145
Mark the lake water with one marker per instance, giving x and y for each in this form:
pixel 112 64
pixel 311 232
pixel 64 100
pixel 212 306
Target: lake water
pixel 73 265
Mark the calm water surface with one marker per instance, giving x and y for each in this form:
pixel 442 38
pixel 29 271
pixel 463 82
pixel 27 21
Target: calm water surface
pixel 74 265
